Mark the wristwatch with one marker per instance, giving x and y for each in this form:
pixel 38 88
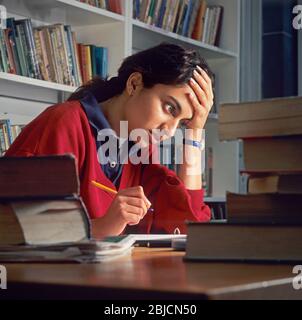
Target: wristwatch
pixel 193 143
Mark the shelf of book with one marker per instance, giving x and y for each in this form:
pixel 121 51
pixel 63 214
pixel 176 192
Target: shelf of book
pixel 148 35
pixel 70 12
pixel 35 82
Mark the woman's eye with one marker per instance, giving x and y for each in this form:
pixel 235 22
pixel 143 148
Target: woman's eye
pixel 171 109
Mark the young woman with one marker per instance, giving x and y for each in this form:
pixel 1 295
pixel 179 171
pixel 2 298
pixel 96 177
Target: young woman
pixel 159 88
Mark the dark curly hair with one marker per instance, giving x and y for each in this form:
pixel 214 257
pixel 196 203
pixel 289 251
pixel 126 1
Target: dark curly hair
pixel 167 63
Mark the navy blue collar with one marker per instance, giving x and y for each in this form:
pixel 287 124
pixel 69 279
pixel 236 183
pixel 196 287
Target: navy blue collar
pixel 98 120
pixel 94 112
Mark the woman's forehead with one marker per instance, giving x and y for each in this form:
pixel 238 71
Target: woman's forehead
pixel 176 90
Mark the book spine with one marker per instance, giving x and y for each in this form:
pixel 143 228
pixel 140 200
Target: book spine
pixel 182 17
pixel 206 23
pixel 11 63
pixel 44 54
pixel 9 132
pixel 175 15
pixel 89 64
pixel 93 60
pixel 105 63
pixel 2 139
pixel 156 13
pixel 1 64
pixel 77 59
pixel 32 48
pixel 3 51
pixel 27 49
pixel 24 50
pixel 57 58
pixel 23 64
pixel 39 54
pixel 59 29
pixel 72 56
pixel 193 18
pixel 147 11
pixel 5 135
pixel 12 40
pixel 186 19
pixel 162 11
pixel 50 55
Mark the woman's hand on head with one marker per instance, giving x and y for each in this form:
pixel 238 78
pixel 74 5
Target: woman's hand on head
pixel 201 99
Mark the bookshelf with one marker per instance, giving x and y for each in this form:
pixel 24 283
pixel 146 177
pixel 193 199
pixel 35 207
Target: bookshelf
pixel 22 99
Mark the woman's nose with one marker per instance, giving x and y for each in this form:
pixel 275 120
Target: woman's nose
pixel 170 129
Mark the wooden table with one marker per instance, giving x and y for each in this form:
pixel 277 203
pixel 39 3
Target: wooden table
pixel 151 274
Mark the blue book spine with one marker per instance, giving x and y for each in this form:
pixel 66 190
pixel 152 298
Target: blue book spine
pixel 162 12
pixel 98 57
pixel 185 28
pixel 136 9
pixel 105 63
pixel 93 60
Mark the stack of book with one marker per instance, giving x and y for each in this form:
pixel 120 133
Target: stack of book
pixel 265 223
pixel 8 133
pixel 189 18
pixel 42 217
pixel 110 5
pixel 49 53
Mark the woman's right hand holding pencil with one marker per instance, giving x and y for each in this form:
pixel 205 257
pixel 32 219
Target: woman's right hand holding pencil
pixel 129 207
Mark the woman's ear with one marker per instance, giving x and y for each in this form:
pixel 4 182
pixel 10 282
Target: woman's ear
pixel 134 83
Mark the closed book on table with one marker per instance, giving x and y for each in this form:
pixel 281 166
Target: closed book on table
pixel 225 242
pixel 267 118
pixel 40 202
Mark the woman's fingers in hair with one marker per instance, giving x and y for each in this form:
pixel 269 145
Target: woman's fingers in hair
pixel 207 79
pixel 205 83
pixel 199 98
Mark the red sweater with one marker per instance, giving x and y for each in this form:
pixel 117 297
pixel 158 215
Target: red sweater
pixel 64 128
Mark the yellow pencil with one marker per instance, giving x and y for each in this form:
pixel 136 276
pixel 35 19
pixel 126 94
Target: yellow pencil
pixel 101 186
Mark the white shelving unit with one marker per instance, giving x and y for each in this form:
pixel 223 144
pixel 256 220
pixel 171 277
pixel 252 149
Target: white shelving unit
pixel 22 98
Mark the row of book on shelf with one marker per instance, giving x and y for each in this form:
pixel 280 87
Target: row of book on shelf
pixel 49 53
pixel 265 221
pixel 110 5
pixel 8 133
pixel 190 18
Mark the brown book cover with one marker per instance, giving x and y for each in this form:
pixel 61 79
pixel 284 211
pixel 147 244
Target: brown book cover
pixel 267 118
pixel 281 183
pixel 39 201
pixel 276 154
pixel 260 208
pixel 222 241
pixel 38 177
